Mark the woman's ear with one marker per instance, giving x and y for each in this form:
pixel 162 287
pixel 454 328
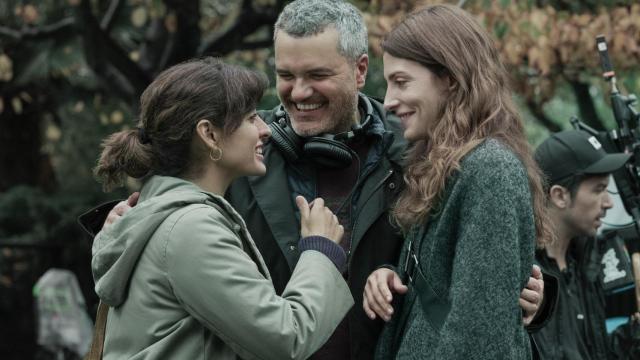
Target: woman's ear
pixel 210 135
pixel 451 83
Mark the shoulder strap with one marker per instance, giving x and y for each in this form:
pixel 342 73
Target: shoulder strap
pixel 97 343
pixel 434 308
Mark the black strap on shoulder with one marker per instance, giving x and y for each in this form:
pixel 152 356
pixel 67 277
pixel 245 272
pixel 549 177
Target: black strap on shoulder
pixel 434 307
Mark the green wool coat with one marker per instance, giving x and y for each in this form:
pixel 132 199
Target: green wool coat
pixel 476 253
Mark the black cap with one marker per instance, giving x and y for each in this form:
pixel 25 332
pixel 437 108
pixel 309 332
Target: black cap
pixel 575 152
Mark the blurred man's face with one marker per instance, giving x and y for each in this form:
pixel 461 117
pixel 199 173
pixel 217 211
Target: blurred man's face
pixel 587 208
pixel 318 86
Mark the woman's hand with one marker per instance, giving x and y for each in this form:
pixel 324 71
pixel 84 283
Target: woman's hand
pixel 378 293
pixel 121 208
pixel 316 219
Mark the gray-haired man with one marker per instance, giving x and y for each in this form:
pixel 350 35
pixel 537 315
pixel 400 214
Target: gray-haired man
pixel 329 141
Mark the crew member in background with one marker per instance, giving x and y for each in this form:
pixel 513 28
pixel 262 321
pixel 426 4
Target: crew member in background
pixel 577 170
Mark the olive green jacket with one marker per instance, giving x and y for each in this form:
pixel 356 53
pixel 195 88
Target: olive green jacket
pixel 184 280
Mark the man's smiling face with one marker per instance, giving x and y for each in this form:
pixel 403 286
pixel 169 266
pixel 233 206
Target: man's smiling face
pixel 316 84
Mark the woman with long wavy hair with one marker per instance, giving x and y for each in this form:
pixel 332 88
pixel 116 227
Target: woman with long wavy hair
pixel 473 206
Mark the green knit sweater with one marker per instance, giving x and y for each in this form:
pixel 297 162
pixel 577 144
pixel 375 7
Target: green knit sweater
pixel 476 254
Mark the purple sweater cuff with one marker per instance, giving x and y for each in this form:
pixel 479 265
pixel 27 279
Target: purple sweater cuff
pixel 333 251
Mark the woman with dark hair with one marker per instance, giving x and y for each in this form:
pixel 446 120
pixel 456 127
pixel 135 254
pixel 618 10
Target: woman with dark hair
pixel 180 272
pixel 473 206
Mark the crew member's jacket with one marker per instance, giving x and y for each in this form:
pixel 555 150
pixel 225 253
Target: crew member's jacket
pixel 592 323
pixel 474 256
pixel 184 280
pixel 266 204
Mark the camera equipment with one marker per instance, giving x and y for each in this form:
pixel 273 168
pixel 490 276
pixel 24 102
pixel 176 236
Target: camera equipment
pixel 624 139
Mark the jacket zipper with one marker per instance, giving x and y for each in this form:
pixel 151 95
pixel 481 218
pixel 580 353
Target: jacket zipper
pixel 355 223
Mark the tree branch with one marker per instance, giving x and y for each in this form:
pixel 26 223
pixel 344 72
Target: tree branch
pixel 252 45
pixel 153 46
pixel 538 113
pixel 62 26
pixel 586 106
pixel 114 9
pixel 245 24
pixel 183 43
pixel 102 52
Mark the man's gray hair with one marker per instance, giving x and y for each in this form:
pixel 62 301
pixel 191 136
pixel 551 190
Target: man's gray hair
pixel 303 18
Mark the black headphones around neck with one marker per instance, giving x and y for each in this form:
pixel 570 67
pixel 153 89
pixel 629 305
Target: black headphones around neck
pixel 327 150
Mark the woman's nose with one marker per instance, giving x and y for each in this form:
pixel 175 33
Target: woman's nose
pixel 264 131
pixel 390 103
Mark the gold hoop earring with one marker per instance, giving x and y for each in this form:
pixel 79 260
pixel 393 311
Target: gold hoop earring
pixel 215 158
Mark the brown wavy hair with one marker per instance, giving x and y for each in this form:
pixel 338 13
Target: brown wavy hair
pixel 449 42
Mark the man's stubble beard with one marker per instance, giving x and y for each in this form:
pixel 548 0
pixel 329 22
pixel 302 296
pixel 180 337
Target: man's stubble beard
pixel 345 113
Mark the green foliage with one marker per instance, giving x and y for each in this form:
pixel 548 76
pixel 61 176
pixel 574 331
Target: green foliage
pixel 375 85
pixel 504 3
pixel 501 29
pixel 84 123
pixel 29 216
pixel 583 5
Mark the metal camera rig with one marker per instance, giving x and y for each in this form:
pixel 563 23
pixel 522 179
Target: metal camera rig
pixel 624 139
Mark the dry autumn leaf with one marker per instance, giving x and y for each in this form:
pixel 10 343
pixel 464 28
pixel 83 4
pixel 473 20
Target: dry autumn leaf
pixel 6 68
pixel 16 103
pixel 139 17
pixel 171 23
pixel 117 117
pixel 30 14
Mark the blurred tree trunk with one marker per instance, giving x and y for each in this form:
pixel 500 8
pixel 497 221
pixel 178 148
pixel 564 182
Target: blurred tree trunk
pixel 21 158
